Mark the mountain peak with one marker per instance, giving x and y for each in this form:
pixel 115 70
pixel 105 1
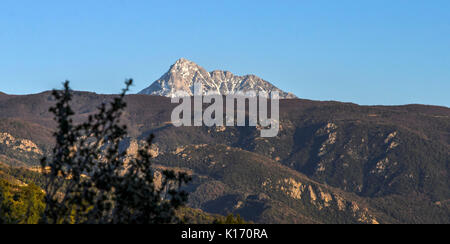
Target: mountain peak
pixel 184 62
pixel 182 66
pixel 184 73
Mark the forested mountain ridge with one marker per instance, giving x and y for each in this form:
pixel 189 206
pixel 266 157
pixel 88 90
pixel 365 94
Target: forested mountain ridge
pixel 331 163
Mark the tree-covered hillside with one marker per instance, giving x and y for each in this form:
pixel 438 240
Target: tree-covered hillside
pixel 391 160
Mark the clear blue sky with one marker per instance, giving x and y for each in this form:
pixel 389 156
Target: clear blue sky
pixel 367 52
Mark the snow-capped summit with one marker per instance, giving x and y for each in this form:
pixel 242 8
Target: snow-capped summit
pixel 184 73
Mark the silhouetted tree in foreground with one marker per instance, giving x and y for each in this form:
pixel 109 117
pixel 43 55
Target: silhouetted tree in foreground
pixel 91 181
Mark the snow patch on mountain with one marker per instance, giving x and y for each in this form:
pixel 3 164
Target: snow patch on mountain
pixel 184 73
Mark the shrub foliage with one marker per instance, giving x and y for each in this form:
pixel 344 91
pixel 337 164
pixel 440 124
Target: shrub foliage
pixel 89 179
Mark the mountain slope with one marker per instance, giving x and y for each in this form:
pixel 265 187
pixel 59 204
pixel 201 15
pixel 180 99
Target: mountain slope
pixel 231 180
pixel 392 162
pixel 184 73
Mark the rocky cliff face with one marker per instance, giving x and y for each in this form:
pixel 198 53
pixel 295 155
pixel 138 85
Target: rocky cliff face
pixel 19 144
pixel 184 73
pixel 18 152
